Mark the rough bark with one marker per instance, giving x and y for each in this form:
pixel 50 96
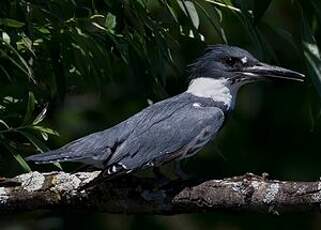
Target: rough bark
pixel 59 190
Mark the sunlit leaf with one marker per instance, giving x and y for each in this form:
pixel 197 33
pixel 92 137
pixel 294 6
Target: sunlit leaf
pixel 218 28
pixel 8 22
pixel 58 165
pixel 225 4
pixel 189 9
pixel 312 56
pixel 97 25
pixel 40 116
pixel 6 38
pixel 25 43
pixel 46 130
pixel 110 22
pixel 44 136
pixel 43 30
pixel 4 123
pixel 311 53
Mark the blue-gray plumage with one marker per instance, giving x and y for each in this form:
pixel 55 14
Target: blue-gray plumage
pixel 174 128
pixel 148 138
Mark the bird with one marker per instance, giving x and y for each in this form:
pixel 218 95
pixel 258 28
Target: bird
pixel 177 127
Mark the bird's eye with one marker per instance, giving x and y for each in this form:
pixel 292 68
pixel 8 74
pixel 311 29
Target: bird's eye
pixel 231 61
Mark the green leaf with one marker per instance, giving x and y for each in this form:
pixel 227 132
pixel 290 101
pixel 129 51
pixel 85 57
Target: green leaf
pixel 8 22
pixel 44 136
pixel 22 162
pixel 58 165
pixel 38 144
pixel 40 116
pixel 110 22
pixel 46 130
pixel 43 133
pixel 43 30
pixel 313 59
pixel 189 9
pixel 6 38
pixel 30 108
pixel 259 9
pixel 170 10
pixel 99 26
pixel 18 157
pixel 4 123
pixel 23 66
pixel 311 53
pixel 25 43
pixel 218 28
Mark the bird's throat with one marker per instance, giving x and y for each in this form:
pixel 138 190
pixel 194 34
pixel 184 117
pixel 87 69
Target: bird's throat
pixel 217 89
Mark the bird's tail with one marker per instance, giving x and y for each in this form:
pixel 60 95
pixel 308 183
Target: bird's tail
pixel 51 157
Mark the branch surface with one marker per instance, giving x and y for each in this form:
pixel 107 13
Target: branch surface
pixel 59 190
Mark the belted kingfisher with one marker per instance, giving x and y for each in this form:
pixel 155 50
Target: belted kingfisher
pixel 177 127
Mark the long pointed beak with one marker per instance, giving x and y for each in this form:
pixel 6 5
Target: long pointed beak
pixel 269 71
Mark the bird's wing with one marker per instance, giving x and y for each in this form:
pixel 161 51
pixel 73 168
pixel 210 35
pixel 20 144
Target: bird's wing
pixel 165 133
pixel 97 148
pixel 152 136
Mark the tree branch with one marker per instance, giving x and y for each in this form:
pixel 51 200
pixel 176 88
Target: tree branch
pixel 59 190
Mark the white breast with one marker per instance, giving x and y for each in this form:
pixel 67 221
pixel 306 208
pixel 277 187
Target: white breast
pixel 217 89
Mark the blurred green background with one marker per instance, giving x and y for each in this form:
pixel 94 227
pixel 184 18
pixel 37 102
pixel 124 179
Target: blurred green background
pixel 75 67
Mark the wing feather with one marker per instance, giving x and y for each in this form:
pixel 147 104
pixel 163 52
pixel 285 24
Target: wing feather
pixel 171 136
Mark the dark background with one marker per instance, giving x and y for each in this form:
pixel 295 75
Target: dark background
pixel 95 63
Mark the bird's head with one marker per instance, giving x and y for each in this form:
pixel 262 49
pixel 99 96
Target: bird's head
pixel 237 66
